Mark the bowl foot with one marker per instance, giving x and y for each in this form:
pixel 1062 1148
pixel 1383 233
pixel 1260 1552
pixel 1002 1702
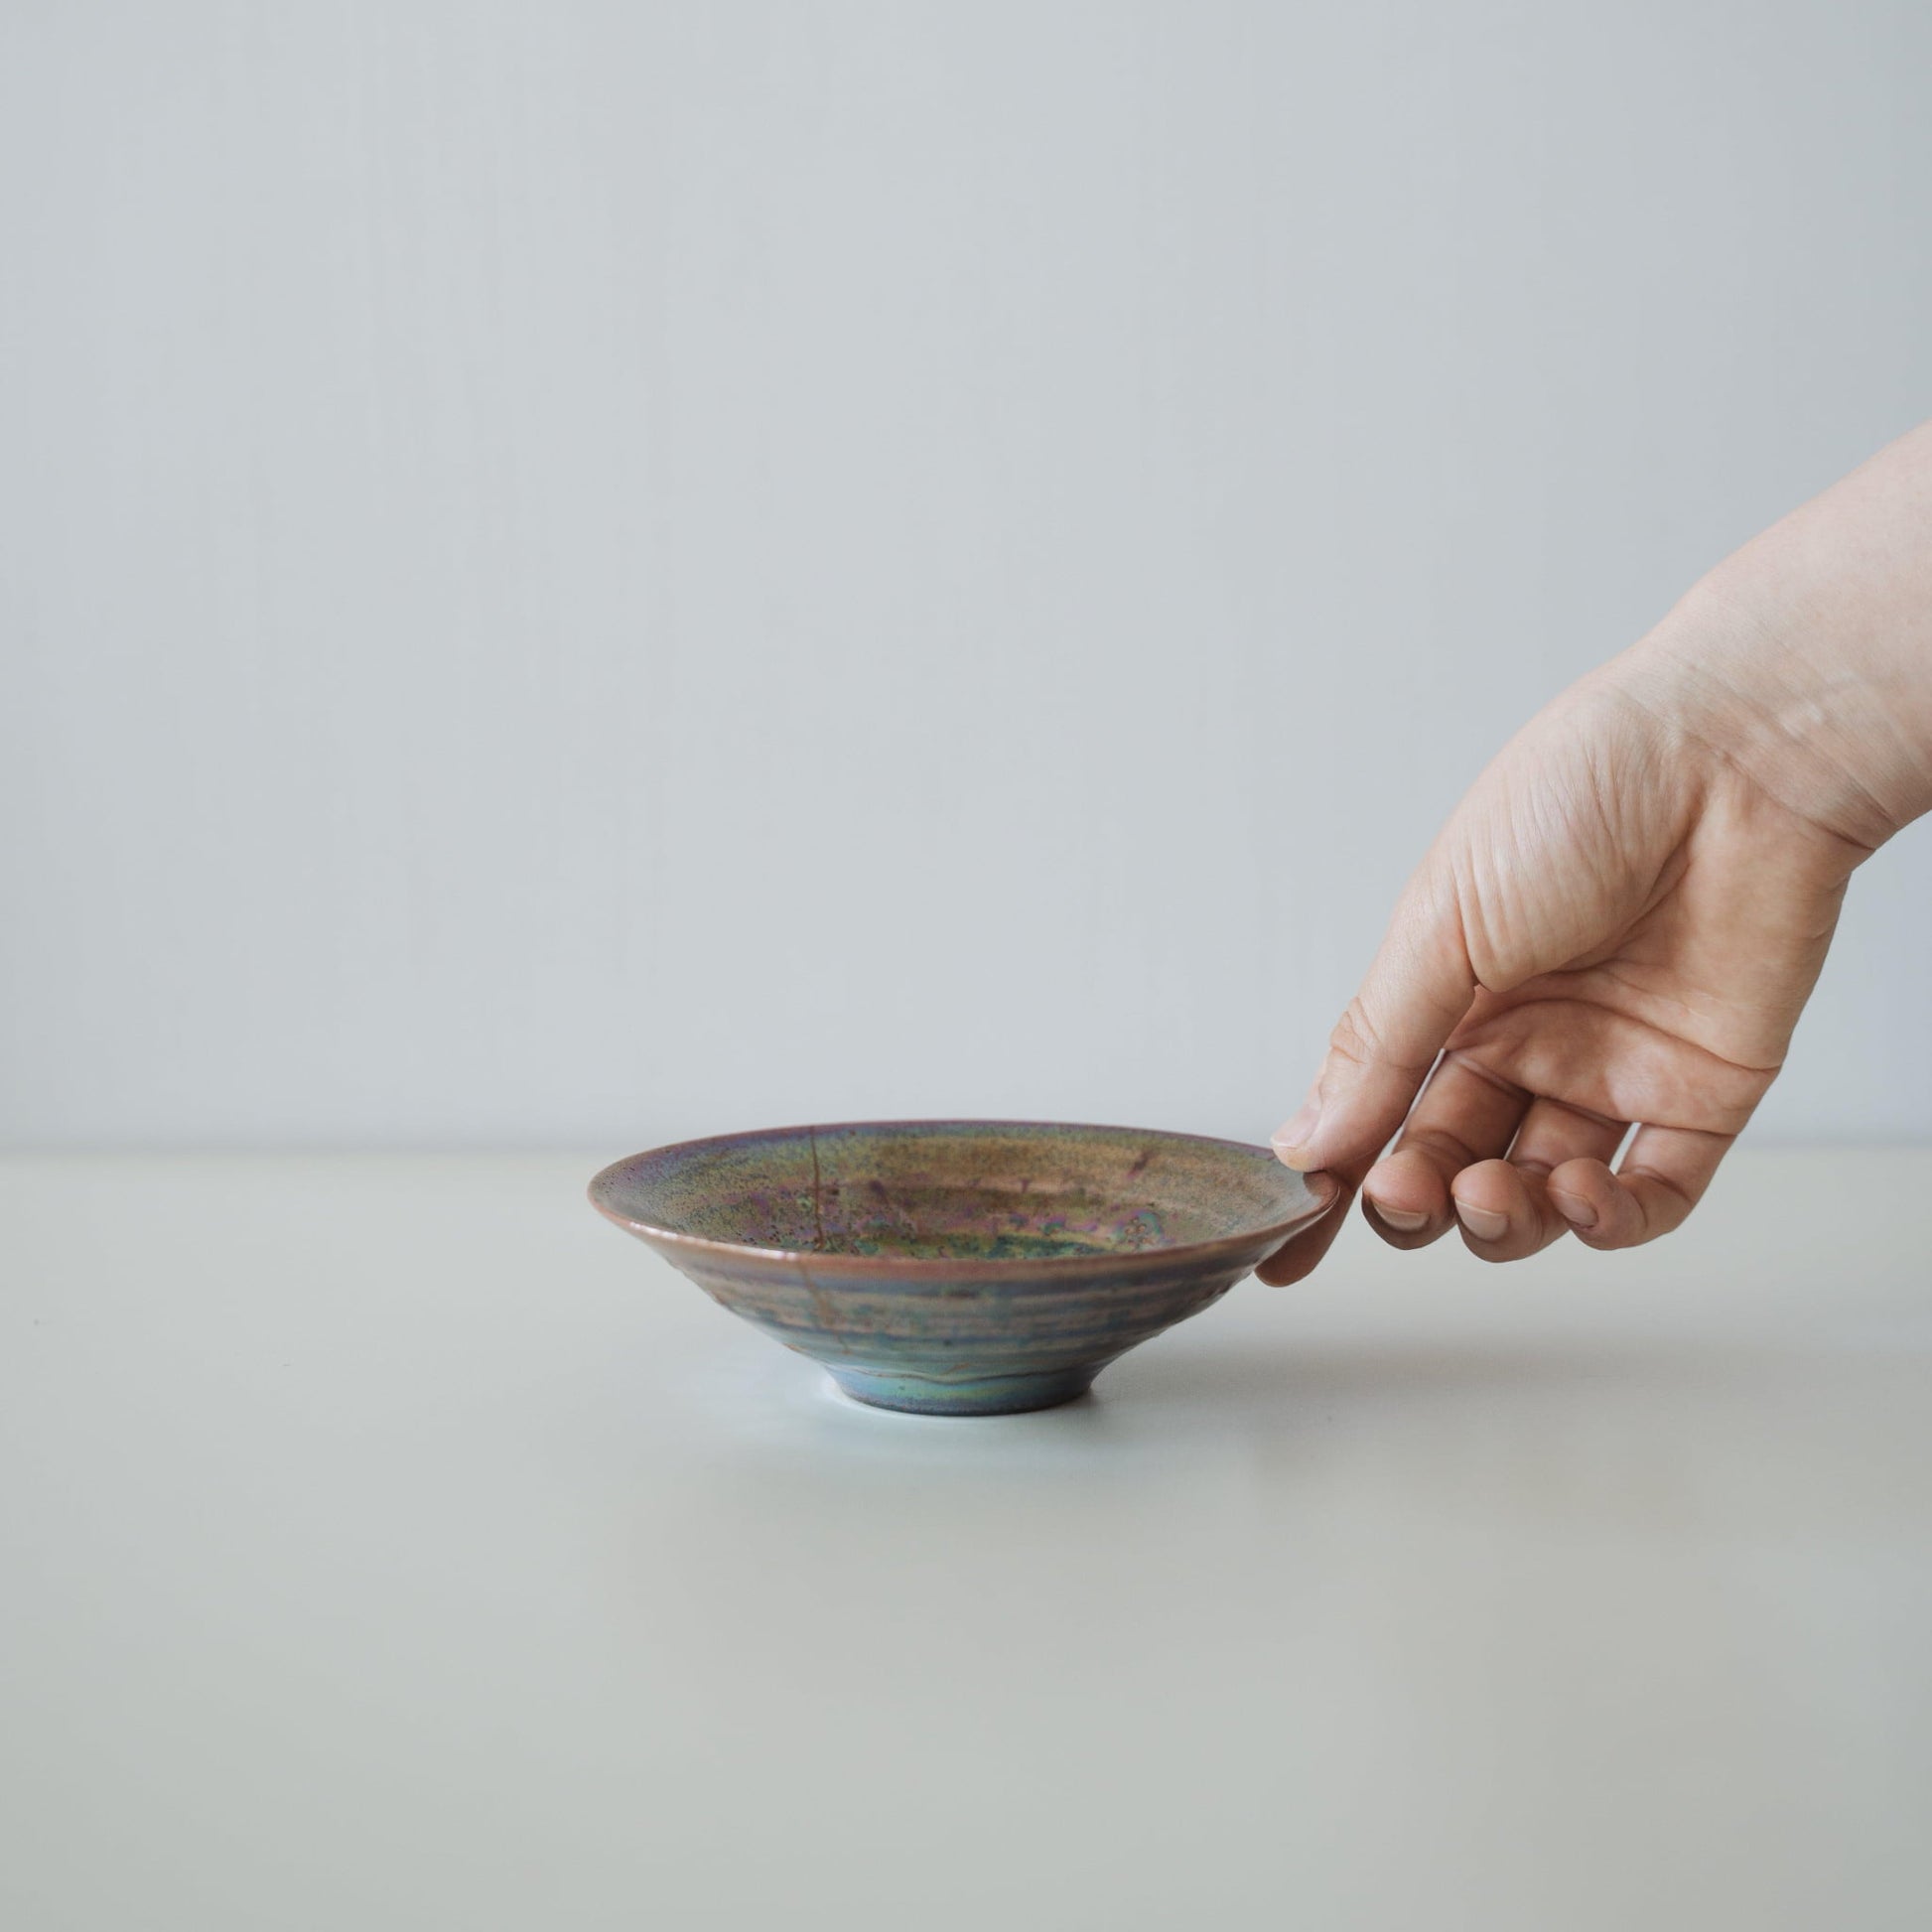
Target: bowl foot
pixel 991 1395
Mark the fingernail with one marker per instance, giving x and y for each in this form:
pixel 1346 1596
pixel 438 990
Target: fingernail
pixel 1294 1134
pixel 1403 1219
pixel 1483 1222
pixel 1573 1208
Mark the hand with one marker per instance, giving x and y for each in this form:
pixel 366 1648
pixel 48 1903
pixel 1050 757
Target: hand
pixel 1622 921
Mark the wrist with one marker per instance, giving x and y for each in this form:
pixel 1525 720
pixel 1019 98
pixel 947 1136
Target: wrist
pixel 1805 661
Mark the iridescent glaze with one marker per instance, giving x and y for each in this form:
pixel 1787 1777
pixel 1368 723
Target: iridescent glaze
pixel 960 1267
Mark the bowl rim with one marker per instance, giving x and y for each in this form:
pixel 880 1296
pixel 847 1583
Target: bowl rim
pixel 1269 1234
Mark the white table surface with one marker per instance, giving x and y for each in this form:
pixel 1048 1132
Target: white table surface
pixel 389 1543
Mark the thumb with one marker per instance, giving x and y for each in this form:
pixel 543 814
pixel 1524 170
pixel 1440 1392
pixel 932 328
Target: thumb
pixel 1417 989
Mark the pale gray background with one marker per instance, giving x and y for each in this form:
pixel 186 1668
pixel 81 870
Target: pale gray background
pixel 598 572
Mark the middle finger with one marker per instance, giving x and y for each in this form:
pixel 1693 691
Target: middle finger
pixel 1504 1205
pixel 1465 1115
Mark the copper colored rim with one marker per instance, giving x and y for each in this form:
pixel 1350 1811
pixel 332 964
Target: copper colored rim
pixel 1225 1247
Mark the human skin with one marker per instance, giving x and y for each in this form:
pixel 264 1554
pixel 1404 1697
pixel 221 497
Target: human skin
pixel 1622 920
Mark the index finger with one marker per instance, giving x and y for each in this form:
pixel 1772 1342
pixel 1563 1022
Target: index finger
pixel 1418 988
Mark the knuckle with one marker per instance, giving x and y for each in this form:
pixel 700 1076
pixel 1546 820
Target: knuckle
pixel 1670 1202
pixel 1441 1148
pixel 1355 1038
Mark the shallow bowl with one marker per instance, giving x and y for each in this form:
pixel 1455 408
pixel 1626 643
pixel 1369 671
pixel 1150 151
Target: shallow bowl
pixel 960 1266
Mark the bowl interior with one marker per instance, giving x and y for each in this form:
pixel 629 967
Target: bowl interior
pixel 955 1191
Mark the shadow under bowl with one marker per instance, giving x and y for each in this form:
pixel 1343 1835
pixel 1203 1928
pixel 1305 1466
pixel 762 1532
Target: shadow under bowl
pixel 960 1266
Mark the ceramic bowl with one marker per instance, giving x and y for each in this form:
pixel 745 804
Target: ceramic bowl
pixel 960 1266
